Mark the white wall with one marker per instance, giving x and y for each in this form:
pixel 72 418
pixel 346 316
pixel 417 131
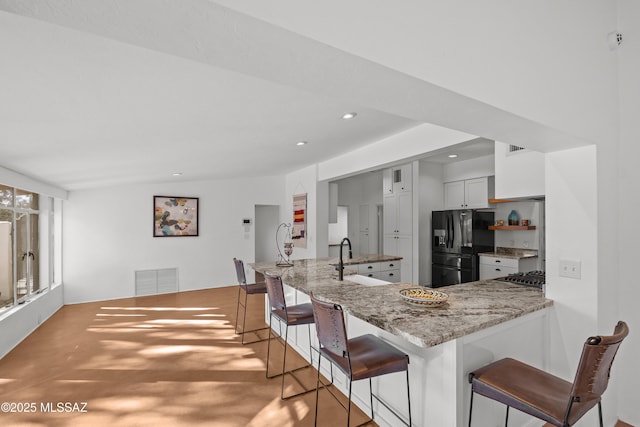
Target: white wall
pixel 396 149
pixel 468 169
pixel 626 213
pixel 357 191
pixel 518 174
pixel 22 320
pixel 107 236
pixel 267 220
pixel 306 181
pixel 572 234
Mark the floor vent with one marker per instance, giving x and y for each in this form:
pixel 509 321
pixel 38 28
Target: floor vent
pixel 152 282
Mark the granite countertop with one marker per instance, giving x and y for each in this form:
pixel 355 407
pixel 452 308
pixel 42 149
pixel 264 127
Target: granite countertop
pixel 515 253
pixel 471 306
pixel 362 259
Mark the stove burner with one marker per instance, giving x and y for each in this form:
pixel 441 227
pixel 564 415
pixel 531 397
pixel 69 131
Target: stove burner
pixel 530 278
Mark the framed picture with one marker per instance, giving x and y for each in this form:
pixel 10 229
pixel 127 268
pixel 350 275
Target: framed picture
pixel 175 216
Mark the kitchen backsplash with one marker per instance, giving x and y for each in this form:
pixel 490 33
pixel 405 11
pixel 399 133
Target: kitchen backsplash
pixel 525 239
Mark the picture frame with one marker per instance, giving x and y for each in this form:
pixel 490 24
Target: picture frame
pixel 175 216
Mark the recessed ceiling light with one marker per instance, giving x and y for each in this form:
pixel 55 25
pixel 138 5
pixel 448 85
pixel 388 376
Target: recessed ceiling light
pixel 348 116
pixel 301 143
pixel 453 156
pixel 177 174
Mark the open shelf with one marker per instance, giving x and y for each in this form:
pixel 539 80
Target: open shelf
pixel 512 227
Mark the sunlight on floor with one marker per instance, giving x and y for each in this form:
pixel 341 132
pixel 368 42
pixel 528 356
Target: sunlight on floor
pixel 277 414
pixel 160 308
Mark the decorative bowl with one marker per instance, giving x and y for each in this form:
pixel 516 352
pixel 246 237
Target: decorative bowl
pixel 424 297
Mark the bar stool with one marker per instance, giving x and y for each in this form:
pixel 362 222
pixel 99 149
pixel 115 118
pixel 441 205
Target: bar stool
pixel 293 315
pixel 546 396
pixel 362 357
pixel 249 289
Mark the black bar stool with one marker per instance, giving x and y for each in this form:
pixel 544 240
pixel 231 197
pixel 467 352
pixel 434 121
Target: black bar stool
pixel 546 396
pixel 362 357
pixel 294 315
pixel 258 288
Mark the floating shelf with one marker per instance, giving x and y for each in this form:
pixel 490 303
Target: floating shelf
pixel 512 227
pixel 500 200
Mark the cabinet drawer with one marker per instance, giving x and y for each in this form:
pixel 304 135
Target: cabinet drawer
pixel 388 275
pixel 488 271
pixel 368 268
pixel 390 265
pixel 497 261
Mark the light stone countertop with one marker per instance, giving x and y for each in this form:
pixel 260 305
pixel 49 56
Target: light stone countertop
pixel 514 253
pixel 471 306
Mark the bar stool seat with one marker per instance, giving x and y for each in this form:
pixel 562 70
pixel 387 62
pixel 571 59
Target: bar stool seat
pixel 258 288
pixel 363 357
pixel 544 395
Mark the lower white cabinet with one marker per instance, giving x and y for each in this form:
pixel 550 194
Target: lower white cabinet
pixel 389 271
pixel 492 267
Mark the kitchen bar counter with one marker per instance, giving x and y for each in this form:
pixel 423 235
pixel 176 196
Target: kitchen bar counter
pixel 482 322
pixel 471 306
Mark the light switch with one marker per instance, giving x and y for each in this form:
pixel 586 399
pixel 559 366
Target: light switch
pixel 570 269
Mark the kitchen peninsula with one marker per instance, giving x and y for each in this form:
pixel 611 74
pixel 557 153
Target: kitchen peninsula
pixel 481 322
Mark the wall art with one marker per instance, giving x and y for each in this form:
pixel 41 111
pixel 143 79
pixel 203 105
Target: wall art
pixel 175 216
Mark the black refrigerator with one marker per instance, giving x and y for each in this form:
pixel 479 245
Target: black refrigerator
pixel 457 238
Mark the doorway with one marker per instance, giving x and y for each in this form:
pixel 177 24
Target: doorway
pixel 267 219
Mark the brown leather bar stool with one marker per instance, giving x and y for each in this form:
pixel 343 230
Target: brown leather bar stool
pixel 259 288
pixel 546 396
pixel 292 315
pixel 362 357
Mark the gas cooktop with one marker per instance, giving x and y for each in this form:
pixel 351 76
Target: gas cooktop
pixel 529 278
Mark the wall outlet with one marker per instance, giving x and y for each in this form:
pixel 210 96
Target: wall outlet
pixel 570 269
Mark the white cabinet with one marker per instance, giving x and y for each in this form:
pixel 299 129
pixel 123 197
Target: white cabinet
pixel 397 222
pixel 492 267
pixel 401 246
pixel 397 179
pixel 468 194
pixel 389 271
pixel 397 214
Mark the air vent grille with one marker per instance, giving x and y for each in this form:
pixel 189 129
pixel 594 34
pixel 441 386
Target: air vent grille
pixel 161 281
pixel 514 148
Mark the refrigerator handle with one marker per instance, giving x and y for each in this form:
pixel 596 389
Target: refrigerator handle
pixel 453 232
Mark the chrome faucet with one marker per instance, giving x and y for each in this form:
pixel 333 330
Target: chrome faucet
pixel 341 264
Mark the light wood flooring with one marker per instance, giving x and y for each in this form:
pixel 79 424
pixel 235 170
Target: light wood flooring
pixel 168 360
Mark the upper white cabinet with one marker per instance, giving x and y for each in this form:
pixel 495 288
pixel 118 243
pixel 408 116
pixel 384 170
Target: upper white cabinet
pixel 396 179
pixel 519 173
pixel 468 194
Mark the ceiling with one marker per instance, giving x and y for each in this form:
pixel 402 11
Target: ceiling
pixel 88 102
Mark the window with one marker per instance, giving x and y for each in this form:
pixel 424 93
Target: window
pixel 25 245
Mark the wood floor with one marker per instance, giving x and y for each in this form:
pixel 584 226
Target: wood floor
pixel 169 360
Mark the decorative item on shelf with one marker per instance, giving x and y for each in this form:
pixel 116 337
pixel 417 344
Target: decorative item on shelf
pixel 500 222
pixel 514 218
pixel 524 222
pixel 287 245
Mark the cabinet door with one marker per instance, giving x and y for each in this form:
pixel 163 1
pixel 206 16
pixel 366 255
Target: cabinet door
pixel 476 193
pixel 364 243
pixel 389 245
pixel 404 216
pixel 387 181
pixel 488 271
pixel 454 195
pixel 405 250
pixel 390 213
pixel 364 218
pixel 402 178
